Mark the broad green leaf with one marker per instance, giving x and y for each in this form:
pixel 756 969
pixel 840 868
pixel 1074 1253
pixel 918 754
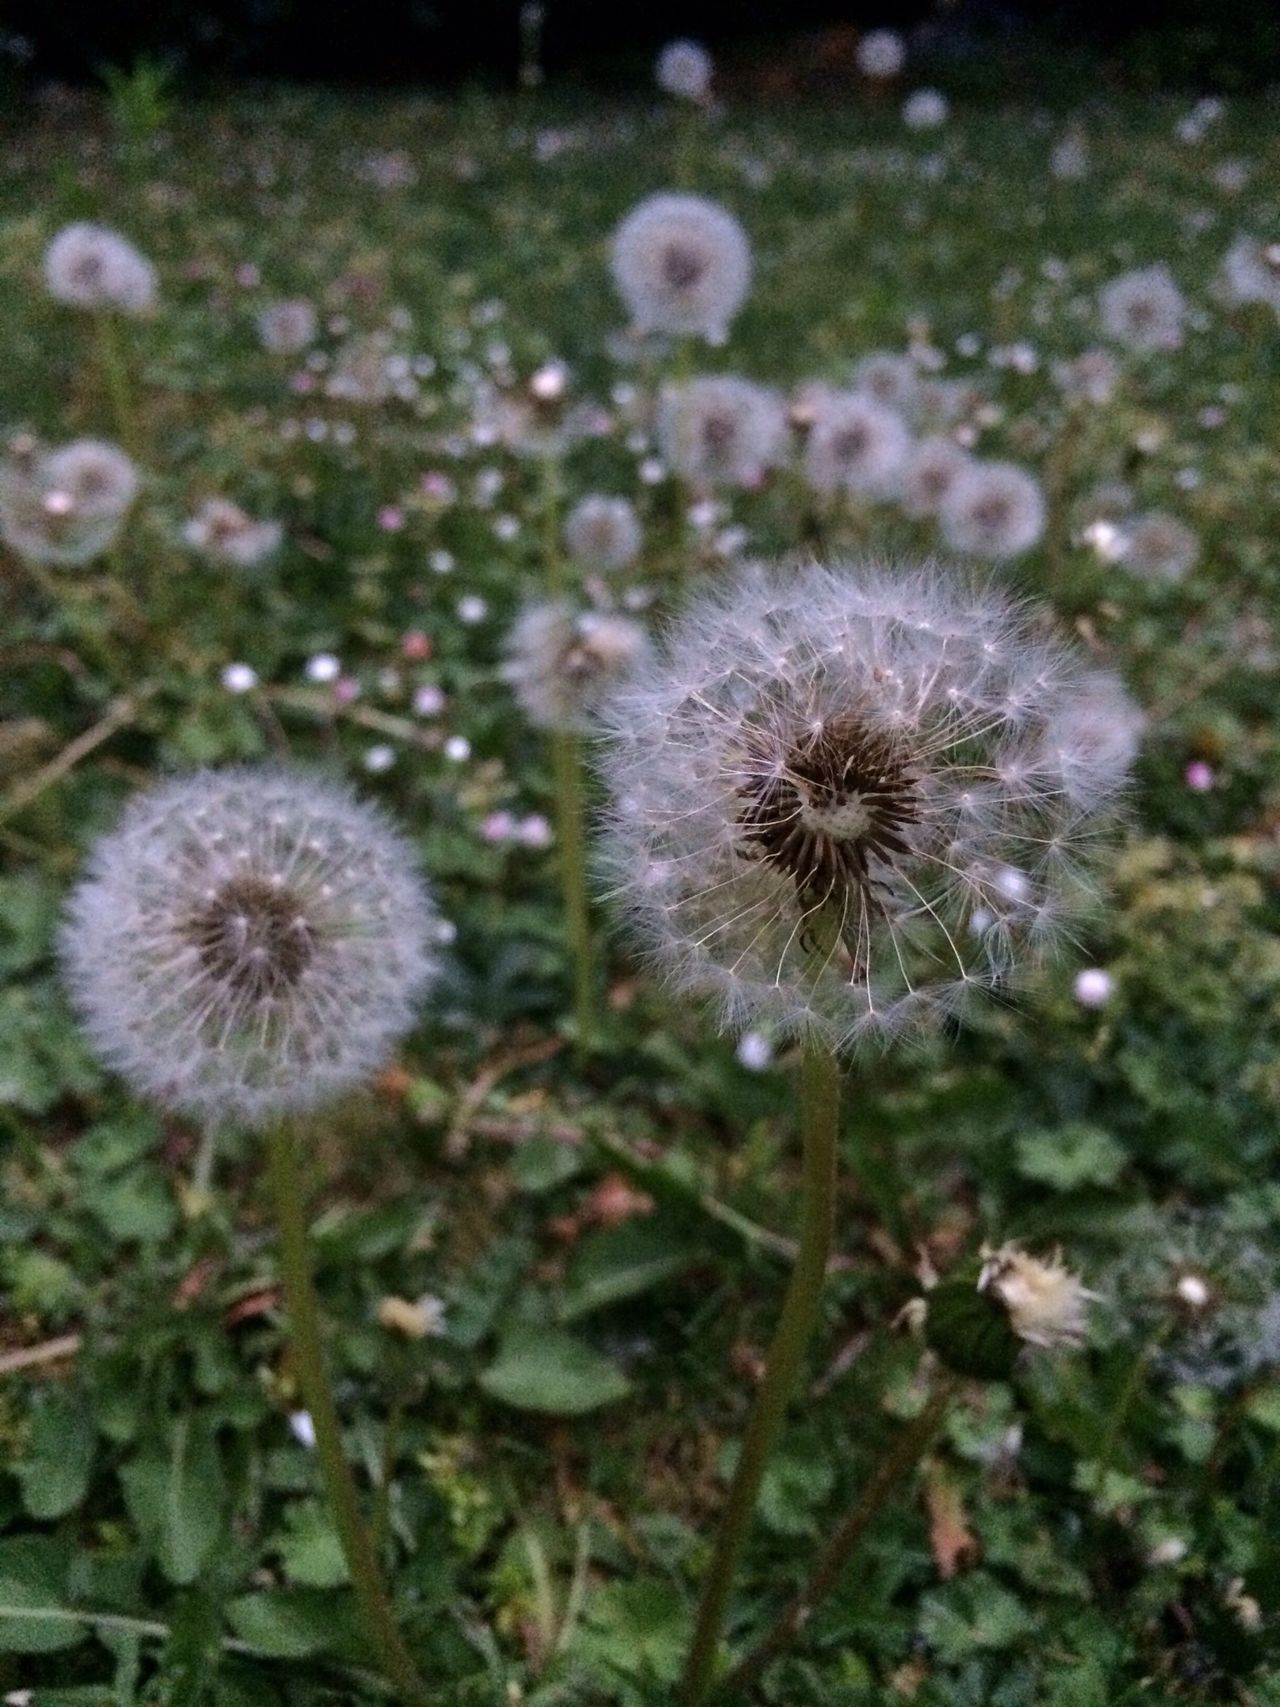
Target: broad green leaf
pixel 288 1623
pixel 311 1550
pixel 55 1472
pixel 545 1369
pixel 177 1500
pixel 971 1615
pixel 621 1262
pixel 1071 1156
pixel 33 1572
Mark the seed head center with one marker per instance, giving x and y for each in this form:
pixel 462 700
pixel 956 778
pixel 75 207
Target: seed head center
pixel 253 935
pixel 844 817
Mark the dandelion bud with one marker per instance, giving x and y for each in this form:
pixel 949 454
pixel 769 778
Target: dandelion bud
pixel 248 943
pixel 846 799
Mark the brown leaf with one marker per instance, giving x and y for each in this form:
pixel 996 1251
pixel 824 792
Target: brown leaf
pixel 951 1541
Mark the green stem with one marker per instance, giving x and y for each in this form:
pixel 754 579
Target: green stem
pixel 308 1355
pixel 206 1156
pixel 567 766
pixel 896 1464
pixel 552 558
pixel 116 380
pixel 800 1310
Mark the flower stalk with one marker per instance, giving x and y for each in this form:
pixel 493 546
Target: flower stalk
pixel 820 1089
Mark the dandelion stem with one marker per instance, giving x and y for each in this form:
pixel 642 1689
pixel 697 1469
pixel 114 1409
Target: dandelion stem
pixel 567 765
pixel 115 379
pixel 206 1156
pixel 897 1463
pixel 821 1106
pixel 308 1353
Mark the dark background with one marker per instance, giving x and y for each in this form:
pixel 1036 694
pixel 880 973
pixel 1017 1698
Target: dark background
pixel 609 43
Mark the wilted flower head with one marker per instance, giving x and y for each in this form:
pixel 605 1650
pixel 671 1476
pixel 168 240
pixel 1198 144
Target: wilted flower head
pixel 248 943
pixel 721 431
pixel 1045 1301
pixel 99 478
pixel 222 533
pixel 881 53
pixel 602 533
pixel 992 509
pixel 931 469
pixel 681 264
pixel 684 68
pixel 287 327
pixel 1143 309
pixel 841 798
pixel 856 446
pixel 90 266
pixel 66 507
pixel 925 109
pixel 1157 547
pixel 1250 272
pixel 561 662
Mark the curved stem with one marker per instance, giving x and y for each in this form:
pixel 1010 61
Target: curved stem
pixel 896 1464
pixel 308 1355
pixel 821 1103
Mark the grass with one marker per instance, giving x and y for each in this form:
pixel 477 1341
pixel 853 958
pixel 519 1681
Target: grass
pixel 608 1229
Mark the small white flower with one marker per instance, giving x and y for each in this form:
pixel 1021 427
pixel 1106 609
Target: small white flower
pixel 239 678
pixel 1092 987
pixel 457 748
pixel 323 667
pixel 379 758
pixel 472 609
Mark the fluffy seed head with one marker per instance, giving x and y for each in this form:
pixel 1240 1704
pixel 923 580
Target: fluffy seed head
pixel 286 327
pixel 845 799
pixel 890 379
pixel 1158 547
pixel 1143 309
pixel 1090 377
pixel 223 534
pixel 99 478
pixel 721 431
pixel 1250 272
pixel 90 266
pixel 684 68
pixel 856 446
pixel 925 109
pixel 881 53
pixel 681 264
pixel 561 662
pixel 602 533
pixel 248 943
pixel 931 469
pixel 992 509
pixel 1047 1304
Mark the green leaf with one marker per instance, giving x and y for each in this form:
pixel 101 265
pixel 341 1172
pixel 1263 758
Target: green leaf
pixel 545 1369
pixel 1070 1156
pixel 621 1262
pixel 971 1615
pixel 137 1207
pixel 55 1472
pixel 540 1163
pixel 289 1623
pixel 177 1501
pixel 641 1628
pixel 33 1571
pixel 311 1551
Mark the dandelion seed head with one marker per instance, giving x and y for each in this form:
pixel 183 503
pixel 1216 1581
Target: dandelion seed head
pixel 90 266
pixel 602 532
pixel 97 478
pixel 931 468
pixel 684 68
pixel 1143 309
pixel 561 662
pixel 721 431
pixel 66 507
pixel 992 509
pixel 223 534
pixel 856 445
pixel 288 326
pixel 681 264
pixel 1157 547
pixel 828 778
pixel 247 943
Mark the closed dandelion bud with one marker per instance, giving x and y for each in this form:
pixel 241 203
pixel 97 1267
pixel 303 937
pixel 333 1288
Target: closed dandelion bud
pixel 89 266
pixel 721 430
pixel 992 509
pixel 844 800
pixel 681 264
pixel 561 662
pixel 969 1331
pixel 602 533
pixel 248 943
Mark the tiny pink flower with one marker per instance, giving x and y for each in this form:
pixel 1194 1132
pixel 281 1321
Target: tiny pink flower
pixel 1199 776
pixel 390 518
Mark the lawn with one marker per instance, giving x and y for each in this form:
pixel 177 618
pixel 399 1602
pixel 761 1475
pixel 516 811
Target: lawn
pixel 551 1236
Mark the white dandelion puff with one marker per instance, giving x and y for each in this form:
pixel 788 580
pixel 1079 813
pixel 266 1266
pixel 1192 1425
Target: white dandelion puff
pixel 888 377
pixel 248 943
pixel 101 480
pixel 1090 377
pixel 602 532
pixel 1250 272
pixel 881 53
pixel 561 662
pixel 932 467
pixel 222 533
pixel 90 266
pixel 684 68
pixel 681 264
pixel 64 509
pixel 1157 547
pixel 925 109
pixel 288 326
pixel 721 431
pixel 827 778
pixel 1143 309
pixel 992 509
pixel 856 446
